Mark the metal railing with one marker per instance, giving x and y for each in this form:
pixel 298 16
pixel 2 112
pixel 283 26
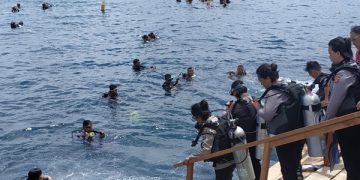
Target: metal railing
pixel 284 138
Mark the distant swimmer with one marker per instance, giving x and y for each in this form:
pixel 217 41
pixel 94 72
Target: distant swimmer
pixel 15 25
pixel 46 6
pixel 239 73
pixel 16 8
pixel 88 133
pixel 169 84
pixel 112 94
pixel 150 37
pixel 178 0
pixel 137 66
pixel 224 1
pixel 190 74
pixel 36 174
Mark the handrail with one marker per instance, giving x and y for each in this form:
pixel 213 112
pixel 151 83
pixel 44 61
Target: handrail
pixel 284 138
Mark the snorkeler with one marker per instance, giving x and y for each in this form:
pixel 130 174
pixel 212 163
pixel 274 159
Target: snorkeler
pixel 190 74
pixel 169 84
pixel 88 133
pixel 15 25
pixel 112 94
pixel 46 5
pixel 36 174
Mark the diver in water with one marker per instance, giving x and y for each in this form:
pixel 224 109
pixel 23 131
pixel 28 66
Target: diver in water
pixel 16 8
pixel 88 133
pixel 189 75
pixel 169 84
pixel 112 94
pixel 240 72
pixel 46 6
pixel 137 65
pixel 36 174
pixel 15 25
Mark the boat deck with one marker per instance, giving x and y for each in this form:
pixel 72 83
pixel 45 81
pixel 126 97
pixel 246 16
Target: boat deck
pixel 322 173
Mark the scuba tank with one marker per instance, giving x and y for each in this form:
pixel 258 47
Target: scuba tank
pixel 312 112
pixel 242 159
pixel 261 133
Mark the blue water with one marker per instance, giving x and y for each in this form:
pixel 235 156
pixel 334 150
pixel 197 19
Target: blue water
pixel 55 68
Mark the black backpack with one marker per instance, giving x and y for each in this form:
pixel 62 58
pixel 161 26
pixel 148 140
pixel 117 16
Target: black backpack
pixel 289 114
pixel 221 140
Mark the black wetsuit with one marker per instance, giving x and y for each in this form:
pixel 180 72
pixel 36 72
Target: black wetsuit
pixel 321 81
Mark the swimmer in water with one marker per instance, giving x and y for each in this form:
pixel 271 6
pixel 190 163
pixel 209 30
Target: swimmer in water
pixel 16 8
pixel 146 38
pixel 36 174
pixel 112 94
pixel 169 84
pixel 137 65
pixel 88 133
pixel 240 72
pixel 46 5
pixel 15 25
pixel 190 74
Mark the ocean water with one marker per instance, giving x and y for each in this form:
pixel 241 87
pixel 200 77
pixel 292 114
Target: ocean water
pixel 55 68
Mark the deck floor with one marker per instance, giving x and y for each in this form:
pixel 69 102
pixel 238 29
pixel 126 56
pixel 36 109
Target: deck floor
pixel 323 173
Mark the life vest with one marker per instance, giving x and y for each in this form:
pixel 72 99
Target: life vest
pixel 289 114
pixel 353 93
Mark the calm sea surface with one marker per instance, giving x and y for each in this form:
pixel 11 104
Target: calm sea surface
pixel 54 70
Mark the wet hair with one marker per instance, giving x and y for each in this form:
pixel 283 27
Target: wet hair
pixel 112 87
pixel 46 5
pixel 86 122
pixel 312 65
pixel 355 29
pixel 190 68
pixel 34 174
pixel 145 38
pixel 342 45
pixel 242 66
pixel 152 35
pixel 201 110
pixel 18 5
pixel 268 70
pixel 13 25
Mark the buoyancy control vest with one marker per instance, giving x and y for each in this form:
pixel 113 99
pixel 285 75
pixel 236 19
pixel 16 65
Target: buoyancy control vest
pixel 321 81
pixel 289 114
pixel 221 139
pixel 245 114
pixel 353 93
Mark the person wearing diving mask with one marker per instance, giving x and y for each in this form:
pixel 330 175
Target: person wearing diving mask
pixel 245 115
pixel 202 115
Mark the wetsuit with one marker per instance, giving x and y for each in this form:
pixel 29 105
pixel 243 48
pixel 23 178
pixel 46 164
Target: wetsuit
pixel 168 85
pixel 246 115
pixel 223 171
pixel 343 101
pixel 272 112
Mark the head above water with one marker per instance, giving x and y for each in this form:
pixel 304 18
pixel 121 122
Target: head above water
pixel 240 71
pixel 87 125
pixel 267 74
pixel 34 174
pixel 355 36
pixel 200 111
pixel 190 71
pixel 152 35
pixel 340 49
pixel 136 62
pixel 145 38
pixel 113 94
pixel 18 5
pixel 168 77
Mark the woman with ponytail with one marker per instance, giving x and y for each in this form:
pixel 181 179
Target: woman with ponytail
pixel 202 116
pixel 345 93
pixel 275 112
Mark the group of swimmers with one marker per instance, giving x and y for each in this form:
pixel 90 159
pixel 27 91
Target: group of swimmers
pixel 15 9
pixel 209 2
